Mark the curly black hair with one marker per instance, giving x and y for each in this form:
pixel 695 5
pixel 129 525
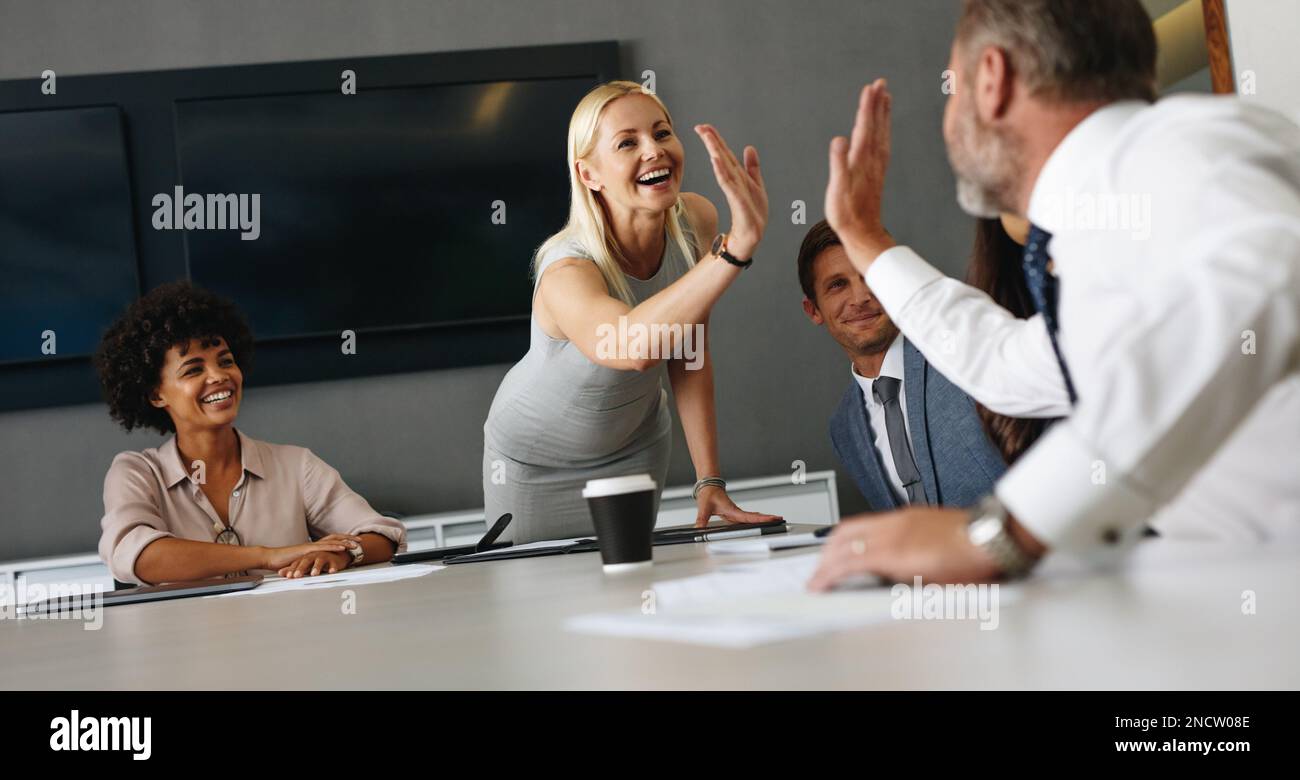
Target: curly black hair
pixel 134 348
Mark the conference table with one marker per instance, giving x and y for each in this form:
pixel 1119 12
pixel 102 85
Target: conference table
pixel 1173 615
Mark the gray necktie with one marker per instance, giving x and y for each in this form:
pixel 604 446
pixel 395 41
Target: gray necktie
pixel 885 389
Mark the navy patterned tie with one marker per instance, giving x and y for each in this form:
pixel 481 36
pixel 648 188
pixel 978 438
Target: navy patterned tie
pixel 1042 288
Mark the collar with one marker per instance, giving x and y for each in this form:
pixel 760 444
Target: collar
pixel 250 455
pixel 1073 160
pixel 173 470
pixel 891 366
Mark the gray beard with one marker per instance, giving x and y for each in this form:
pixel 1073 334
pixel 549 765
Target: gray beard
pixel 985 181
pixel 976 200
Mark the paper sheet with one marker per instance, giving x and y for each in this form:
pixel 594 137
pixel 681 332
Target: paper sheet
pixel 743 605
pixel 765 545
pixel 785 575
pixel 347 577
pixel 550 544
pixel 545 545
pixel 748 622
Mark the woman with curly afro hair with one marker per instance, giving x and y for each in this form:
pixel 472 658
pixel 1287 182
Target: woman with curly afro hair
pixel 212 501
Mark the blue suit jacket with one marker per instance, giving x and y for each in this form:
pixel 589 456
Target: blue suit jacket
pixel 958 463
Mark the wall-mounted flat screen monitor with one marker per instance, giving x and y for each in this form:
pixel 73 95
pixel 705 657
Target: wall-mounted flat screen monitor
pixel 390 208
pixel 67 244
pixel 398 198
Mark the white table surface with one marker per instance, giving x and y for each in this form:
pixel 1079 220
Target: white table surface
pixel 1171 617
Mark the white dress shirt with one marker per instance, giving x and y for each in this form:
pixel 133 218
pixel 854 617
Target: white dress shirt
pixel 891 366
pixel 1181 327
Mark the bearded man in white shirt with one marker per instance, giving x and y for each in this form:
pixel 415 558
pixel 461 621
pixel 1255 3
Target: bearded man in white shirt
pixel 1171 301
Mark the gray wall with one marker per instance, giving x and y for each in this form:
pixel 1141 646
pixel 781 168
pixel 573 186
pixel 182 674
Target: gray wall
pixel 783 76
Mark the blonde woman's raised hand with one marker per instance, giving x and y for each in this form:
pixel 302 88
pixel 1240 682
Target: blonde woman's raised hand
pixel 743 186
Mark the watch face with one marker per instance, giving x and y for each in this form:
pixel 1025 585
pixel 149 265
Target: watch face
pixel 984 530
pixel 718 241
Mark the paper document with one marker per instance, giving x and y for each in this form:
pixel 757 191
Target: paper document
pixel 348 577
pixel 779 575
pixel 550 544
pixel 765 545
pixel 743 605
pixel 748 622
pixel 546 545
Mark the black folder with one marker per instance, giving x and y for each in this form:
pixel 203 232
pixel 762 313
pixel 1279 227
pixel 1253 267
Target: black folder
pixel 488 542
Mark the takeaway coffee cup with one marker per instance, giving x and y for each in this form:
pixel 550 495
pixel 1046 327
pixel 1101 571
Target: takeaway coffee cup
pixel 623 511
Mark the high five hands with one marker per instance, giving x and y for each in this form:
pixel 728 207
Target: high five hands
pixel 857 179
pixel 743 186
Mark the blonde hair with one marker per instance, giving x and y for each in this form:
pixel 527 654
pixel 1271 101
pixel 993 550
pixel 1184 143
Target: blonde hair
pixel 586 226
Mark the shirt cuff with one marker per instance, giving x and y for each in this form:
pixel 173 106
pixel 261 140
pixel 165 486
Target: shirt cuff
pixel 1066 496
pixel 392 530
pixel 128 550
pixel 896 275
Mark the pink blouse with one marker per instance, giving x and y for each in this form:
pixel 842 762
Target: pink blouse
pixel 285 496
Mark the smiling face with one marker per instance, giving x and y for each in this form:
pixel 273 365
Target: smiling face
pixel 637 160
pixel 845 305
pixel 200 386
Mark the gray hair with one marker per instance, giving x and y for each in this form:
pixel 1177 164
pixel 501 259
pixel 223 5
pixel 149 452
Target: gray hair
pixel 1067 50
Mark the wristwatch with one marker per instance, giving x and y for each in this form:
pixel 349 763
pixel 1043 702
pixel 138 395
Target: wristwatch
pixel 358 555
pixel 720 249
pixel 988 531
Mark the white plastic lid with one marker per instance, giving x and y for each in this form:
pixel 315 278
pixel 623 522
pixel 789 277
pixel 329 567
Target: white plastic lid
pixel 615 486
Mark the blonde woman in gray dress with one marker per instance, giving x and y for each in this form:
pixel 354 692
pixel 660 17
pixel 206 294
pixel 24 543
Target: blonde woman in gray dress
pixel 637 257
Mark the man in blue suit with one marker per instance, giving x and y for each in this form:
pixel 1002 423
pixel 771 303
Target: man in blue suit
pixel 904 433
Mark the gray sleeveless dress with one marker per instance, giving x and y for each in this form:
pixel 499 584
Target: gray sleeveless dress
pixel 559 419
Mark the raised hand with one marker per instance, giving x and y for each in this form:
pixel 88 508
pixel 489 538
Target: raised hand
pixel 857 179
pixel 744 189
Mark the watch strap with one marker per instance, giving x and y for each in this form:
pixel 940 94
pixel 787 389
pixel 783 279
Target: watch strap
pixel 720 249
pixel 730 258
